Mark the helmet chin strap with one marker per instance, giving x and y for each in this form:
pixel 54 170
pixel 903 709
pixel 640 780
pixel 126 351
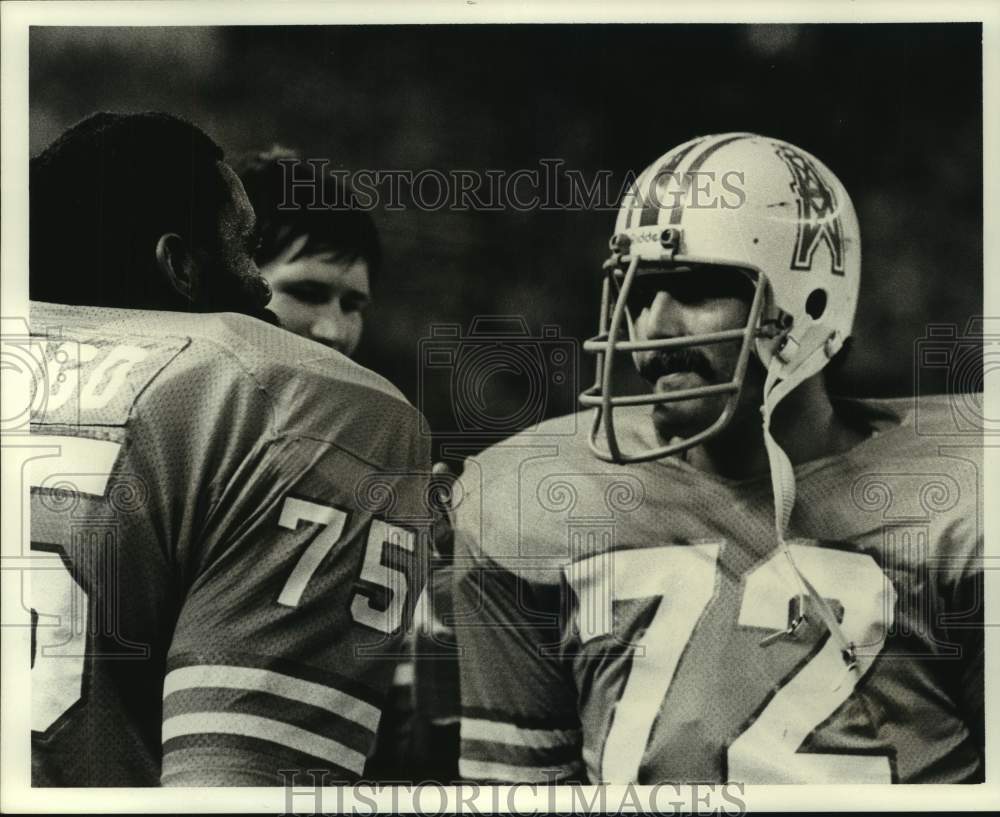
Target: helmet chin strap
pixel 777 386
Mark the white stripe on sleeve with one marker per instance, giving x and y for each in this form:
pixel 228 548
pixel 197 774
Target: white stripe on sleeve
pixel 274 683
pixel 253 726
pixel 500 732
pixel 483 770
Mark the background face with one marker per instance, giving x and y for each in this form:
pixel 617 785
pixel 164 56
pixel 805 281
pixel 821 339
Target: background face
pixel 870 101
pixel 320 296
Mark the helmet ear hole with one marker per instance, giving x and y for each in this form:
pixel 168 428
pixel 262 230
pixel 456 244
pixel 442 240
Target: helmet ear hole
pixel 816 304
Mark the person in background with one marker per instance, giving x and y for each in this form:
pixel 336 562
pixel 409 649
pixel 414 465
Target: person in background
pixel 318 249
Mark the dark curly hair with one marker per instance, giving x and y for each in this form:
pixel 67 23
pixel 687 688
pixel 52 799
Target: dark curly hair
pixel 103 193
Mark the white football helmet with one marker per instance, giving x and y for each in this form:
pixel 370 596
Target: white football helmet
pixel 736 200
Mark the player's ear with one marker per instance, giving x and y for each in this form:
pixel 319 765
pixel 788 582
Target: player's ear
pixel 177 265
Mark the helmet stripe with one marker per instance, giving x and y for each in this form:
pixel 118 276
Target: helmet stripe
pixel 677 211
pixel 647 197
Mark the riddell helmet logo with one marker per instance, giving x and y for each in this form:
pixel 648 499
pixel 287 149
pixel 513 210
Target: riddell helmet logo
pixel 819 218
pixel 649 235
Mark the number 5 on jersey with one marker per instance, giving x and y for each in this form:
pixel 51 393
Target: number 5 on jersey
pixel 374 570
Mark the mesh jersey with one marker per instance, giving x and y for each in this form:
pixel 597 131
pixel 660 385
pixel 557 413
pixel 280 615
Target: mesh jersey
pixel 229 527
pixel 614 622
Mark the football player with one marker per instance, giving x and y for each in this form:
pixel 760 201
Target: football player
pixel 229 521
pixel 751 581
pixel 319 251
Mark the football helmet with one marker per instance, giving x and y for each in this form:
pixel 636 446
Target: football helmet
pixel 737 200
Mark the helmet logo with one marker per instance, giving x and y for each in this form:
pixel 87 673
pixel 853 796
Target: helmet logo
pixel 819 215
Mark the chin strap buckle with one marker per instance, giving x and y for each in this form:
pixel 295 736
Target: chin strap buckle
pixel 850 656
pixel 833 344
pixel 796 619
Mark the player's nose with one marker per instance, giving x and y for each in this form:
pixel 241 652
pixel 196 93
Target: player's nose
pixel 663 317
pixel 331 328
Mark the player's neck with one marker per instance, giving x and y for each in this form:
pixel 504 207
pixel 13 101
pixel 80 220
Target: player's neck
pixel 805 425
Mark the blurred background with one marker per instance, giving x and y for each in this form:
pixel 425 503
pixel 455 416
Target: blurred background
pixel 894 110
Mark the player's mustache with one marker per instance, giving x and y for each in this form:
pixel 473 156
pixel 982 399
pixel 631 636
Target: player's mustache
pixel 655 365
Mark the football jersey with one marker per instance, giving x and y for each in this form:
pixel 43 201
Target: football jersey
pixel 228 532
pixel 631 623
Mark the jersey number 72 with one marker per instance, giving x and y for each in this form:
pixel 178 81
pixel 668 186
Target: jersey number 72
pixel 682 579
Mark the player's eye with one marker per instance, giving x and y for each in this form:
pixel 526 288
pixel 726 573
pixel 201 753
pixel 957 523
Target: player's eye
pixel 642 292
pixel 725 282
pixel 690 286
pixel 308 292
pixel 353 301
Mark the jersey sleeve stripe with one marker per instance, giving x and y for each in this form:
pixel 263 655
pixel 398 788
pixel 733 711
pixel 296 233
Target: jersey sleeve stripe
pixel 344 681
pixel 239 701
pixel 189 759
pixel 268 729
pixel 550 721
pixel 502 772
pixel 499 732
pixel 275 683
pixel 520 755
pixel 194 765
